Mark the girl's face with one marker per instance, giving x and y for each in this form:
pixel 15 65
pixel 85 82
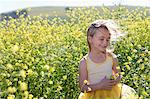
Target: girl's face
pixel 100 40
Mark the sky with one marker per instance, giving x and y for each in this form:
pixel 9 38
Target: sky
pixel 10 5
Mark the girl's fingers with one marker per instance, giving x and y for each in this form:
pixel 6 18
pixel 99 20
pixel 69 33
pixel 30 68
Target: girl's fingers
pixel 108 87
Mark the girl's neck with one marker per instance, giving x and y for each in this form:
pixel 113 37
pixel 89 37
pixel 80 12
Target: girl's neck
pixel 98 53
pixel 97 56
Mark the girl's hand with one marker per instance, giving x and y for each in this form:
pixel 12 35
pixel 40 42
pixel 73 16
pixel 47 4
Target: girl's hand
pixel 118 79
pixel 107 84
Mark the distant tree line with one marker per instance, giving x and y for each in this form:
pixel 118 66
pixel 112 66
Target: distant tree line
pixel 13 14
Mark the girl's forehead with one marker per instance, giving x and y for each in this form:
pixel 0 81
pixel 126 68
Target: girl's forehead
pixel 103 33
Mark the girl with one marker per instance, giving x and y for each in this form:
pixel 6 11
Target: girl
pixel 99 78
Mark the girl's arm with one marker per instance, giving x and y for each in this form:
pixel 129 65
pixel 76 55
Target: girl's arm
pixel 83 75
pixel 116 70
pixel 115 63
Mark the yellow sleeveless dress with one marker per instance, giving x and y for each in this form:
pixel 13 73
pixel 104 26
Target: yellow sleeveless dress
pixel 96 72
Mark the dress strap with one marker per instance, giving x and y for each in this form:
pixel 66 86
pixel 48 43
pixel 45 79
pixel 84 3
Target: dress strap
pixel 112 54
pixel 86 60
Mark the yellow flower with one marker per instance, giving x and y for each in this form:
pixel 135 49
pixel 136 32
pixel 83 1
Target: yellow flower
pixel 128 67
pixel 26 93
pixel 146 59
pixel 35 98
pixel 9 66
pixel 112 77
pixel 23 86
pixel 135 50
pixel 11 97
pixel 50 82
pixel 65 77
pixel 139 61
pixel 23 73
pixel 8 82
pixel 59 88
pixel 129 58
pixel 46 67
pixel 148 52
pixel 24 66
pixel 30 96
pixel 29 72
pixel 52 69
pixel 24 97
pixel 15 48
pixel 19 82
pixel 145 93
pixel 142 66
pixel 86 82
pixel 11 89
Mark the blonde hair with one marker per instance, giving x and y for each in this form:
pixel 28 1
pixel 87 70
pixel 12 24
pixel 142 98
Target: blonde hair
pixel 109 25
pixel 91 32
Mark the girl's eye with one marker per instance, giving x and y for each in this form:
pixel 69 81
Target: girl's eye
pixel 101 39
pixel 108 40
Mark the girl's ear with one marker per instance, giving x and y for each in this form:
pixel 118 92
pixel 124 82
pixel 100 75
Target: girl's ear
pixel 90 39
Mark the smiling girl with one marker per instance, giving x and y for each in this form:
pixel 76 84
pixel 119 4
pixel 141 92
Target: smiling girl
pixel 97 68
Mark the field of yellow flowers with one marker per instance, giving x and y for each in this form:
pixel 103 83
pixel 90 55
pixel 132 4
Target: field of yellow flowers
pixel 39 57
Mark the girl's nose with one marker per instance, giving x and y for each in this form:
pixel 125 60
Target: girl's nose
pixel 105 43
